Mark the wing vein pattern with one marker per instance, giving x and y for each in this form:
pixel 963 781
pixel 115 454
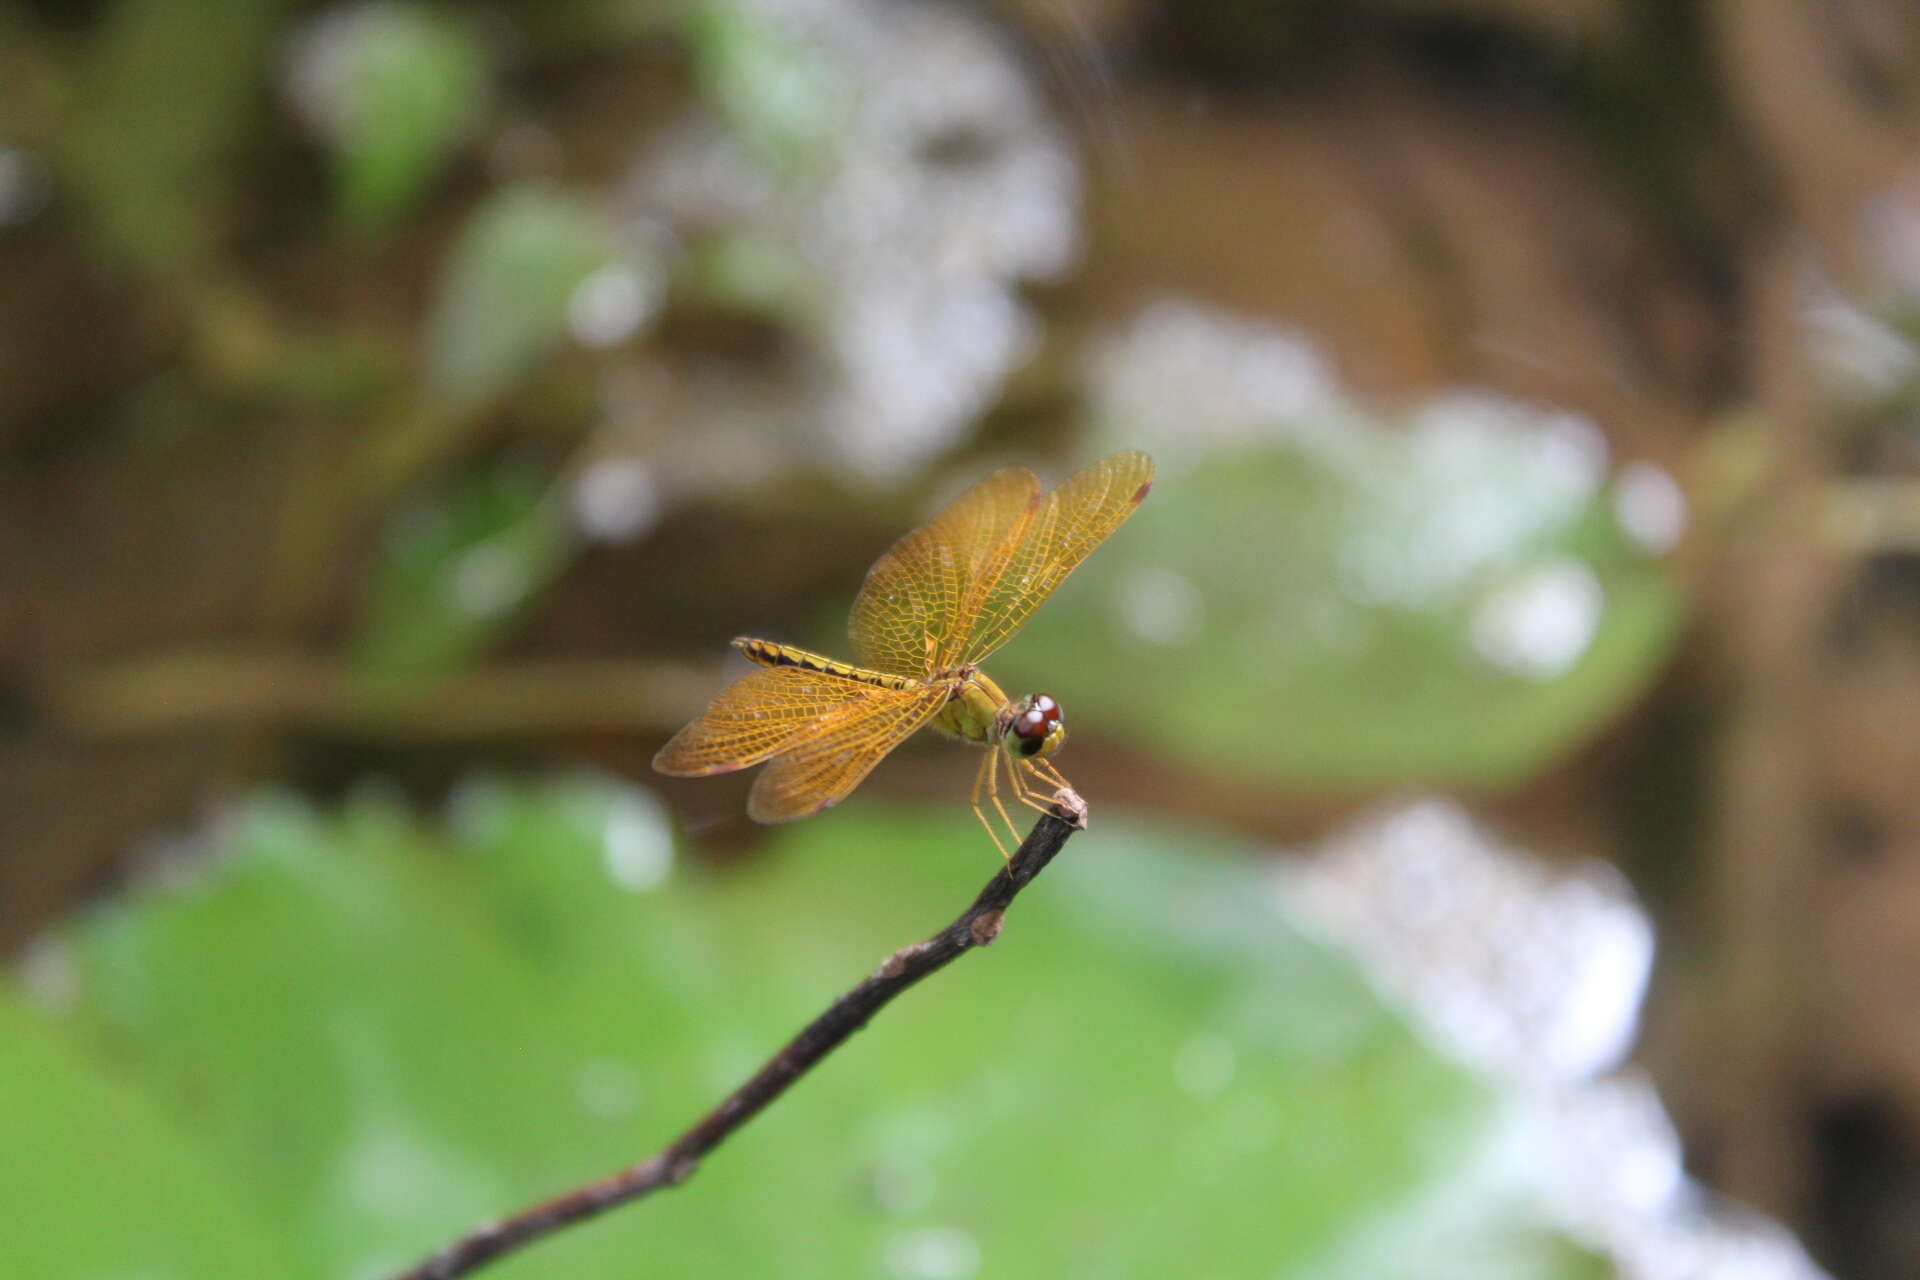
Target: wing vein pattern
pixel 1059 533
pixel 822 769
pixel 946 595
pixel 766 711
pixel 909 618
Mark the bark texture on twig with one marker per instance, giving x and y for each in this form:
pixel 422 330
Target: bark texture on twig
pixel 977 926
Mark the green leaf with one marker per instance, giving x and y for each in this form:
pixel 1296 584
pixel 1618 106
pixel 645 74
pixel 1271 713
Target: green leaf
pixel 95 1181
pixel 413 82
pixel 455 572
pixel 388 1033
pixel 1314 612
pixel 501 302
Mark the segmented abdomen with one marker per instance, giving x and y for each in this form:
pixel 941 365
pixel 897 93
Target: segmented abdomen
pixel 769 653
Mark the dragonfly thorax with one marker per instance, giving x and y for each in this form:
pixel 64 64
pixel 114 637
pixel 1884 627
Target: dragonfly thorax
pixel 978 712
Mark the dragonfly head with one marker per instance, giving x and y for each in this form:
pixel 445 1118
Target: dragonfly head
pixel 1034 727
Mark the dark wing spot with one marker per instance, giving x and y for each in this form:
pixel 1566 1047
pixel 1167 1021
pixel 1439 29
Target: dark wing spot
pixel 1140 494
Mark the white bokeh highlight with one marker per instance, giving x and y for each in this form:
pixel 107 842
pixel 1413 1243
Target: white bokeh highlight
pixel 1534 976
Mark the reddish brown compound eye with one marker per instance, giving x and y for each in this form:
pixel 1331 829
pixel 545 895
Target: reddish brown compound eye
pixel 1035 728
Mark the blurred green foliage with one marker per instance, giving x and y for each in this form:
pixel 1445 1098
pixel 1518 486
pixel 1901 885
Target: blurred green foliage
pixel 454 572
pixel 380 1030
pixel 100 1179
pixel 412 83
pixel 169 91
pixel 501 300
pixel 768 88
pixel 1240 619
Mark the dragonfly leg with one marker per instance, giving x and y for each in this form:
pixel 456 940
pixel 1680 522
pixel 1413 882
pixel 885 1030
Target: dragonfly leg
pixel 1051 776
pixel 1029 796
pixel 993 792
pixel 980 780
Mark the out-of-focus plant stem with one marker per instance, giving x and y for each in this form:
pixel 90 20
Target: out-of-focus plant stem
pixel 1770 599
pixel 175 691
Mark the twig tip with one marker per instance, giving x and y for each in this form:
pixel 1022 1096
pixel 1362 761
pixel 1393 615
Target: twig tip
pixel 1070 808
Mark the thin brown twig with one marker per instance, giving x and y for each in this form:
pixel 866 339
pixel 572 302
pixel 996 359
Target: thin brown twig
pixel 977 926
pixel 192 689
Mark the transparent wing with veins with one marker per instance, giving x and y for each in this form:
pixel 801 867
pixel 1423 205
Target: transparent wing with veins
pixel 764 712
pixel 822 769
pixel 909 618
pixel 1048 544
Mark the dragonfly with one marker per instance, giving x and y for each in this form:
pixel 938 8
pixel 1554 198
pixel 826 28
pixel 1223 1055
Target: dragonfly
pixel 941 601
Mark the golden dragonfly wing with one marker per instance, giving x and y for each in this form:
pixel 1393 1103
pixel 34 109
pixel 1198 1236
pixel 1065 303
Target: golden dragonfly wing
pixel 761 713
pixel 822 769
pixel 1061 532
pixel 907 618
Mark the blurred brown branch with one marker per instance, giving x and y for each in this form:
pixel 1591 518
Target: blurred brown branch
pixel 196 688
pixel 1872 514
pixel 977 926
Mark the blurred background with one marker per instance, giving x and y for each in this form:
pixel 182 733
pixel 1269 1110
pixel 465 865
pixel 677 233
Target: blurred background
pixel 1499 725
